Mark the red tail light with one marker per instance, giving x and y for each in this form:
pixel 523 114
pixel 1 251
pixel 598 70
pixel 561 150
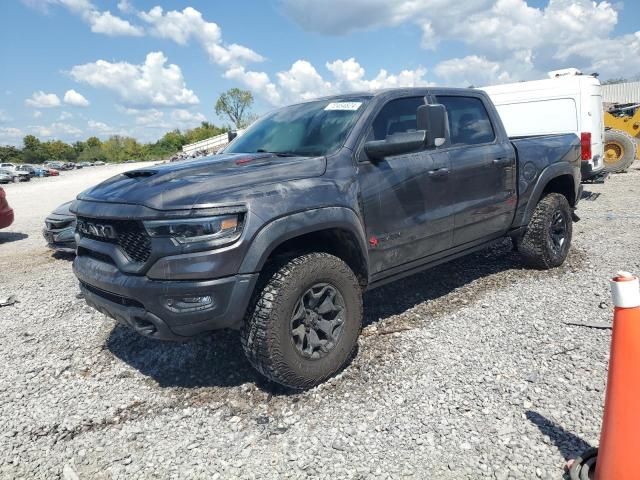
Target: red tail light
pixel 585 145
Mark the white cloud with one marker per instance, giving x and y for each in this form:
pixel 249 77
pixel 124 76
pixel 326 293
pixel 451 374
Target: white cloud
pixel 350 75
pixel 60 128
pixel 108 24
pixel 526 41
pixel 302 81
pixel 188 24
pixel 152 83
pixel 76 99
pixel 258 82
pixel 125 6
pixel 65 116
pixel 102 21
pixel 56 130
pixel 471 70
pixel 153 118
pixel 10 135
pixel 186 117
pixel 98 126
pixel 37 114
pixel 40 99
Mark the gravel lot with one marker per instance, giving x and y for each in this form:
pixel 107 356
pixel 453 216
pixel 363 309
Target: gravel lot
pixel 466 371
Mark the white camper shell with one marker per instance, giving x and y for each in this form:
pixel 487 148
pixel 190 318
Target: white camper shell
pixel 567 102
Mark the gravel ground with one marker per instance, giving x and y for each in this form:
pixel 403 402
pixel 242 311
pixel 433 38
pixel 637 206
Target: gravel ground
pixel 466 371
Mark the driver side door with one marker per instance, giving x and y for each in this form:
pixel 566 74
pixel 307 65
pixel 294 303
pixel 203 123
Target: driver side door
pixel 405 197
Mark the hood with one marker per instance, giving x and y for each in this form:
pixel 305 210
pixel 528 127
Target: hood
pixel 203 181
pixel 63 209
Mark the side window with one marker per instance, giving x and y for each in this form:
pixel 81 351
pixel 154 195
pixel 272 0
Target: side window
pixel 395 117
pixel 469 122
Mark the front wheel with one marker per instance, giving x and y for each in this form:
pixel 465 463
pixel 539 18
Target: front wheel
pixel 304 322
pixel 547 240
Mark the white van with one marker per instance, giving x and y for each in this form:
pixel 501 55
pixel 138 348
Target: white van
pixel 567 102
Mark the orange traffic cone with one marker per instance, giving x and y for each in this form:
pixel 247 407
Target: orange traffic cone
pixel 619 451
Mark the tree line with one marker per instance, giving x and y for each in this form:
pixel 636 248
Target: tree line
pixel 235 104
pixel 116 148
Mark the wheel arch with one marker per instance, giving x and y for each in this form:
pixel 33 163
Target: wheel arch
pixel 334 230
pixel 557 178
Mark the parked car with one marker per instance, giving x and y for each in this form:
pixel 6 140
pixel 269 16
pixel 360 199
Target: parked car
pixel 59 229
pixel 567 102
pixel 53 172
pixel 6 176
pixel 84 164
pixel 99 163
pixel 8 166
pixel 55 165
pixel 41 171
pixel 6 212
pixel 16 175
pixel 280 235
pixel 30 169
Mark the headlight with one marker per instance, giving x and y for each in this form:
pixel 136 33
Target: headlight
pixel 220 229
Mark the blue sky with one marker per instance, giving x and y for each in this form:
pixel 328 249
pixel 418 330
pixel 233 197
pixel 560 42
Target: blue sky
pixel 75 68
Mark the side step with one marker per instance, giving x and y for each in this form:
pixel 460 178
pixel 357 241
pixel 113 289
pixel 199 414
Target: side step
pixel 598 178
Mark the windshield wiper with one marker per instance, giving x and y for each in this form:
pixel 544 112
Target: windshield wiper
pixel 280 154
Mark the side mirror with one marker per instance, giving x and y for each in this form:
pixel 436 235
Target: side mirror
pixel 231 134
pixel 433 119
pixel 395 144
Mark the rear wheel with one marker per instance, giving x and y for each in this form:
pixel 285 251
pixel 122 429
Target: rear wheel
pixel 305 320
pixel 619 150
pixel 547 240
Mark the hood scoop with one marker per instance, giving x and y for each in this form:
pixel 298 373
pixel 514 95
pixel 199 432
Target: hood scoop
pixel 140 173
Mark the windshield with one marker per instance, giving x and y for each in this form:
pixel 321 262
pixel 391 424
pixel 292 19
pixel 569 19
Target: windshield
pixel 308 129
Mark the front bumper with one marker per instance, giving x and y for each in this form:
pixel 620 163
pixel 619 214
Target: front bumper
pixel 61 240
pixel 141 303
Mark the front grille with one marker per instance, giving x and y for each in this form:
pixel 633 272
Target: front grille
pixel 112 297
pixel 130 235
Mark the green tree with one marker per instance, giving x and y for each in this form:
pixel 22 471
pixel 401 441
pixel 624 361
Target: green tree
pixel 9 153
pixel 33 151
pixel 59 150
pixel 204 131
pixel 93 142
pixel 235 104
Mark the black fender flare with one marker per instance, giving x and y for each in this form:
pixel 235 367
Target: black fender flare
pixel 552 171
pixel 290 226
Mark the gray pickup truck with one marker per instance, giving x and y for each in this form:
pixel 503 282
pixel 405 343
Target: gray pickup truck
pixel 280 235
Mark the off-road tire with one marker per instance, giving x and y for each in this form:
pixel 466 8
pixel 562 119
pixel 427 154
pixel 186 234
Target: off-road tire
pixel 266 333
pixel 628 145
pixel 536 246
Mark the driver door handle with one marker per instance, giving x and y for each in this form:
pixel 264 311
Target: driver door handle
pixel 439 172
pixel 502 161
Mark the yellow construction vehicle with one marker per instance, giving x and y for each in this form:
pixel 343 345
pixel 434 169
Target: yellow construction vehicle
pixel 621 137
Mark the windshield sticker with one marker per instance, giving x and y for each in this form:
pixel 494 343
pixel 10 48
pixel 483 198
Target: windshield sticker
pixel 344 106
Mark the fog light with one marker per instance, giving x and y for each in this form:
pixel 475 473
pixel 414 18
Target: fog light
pixel 189 304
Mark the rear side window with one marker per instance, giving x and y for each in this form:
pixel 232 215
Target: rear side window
pixel 469 122
pixel 397 116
